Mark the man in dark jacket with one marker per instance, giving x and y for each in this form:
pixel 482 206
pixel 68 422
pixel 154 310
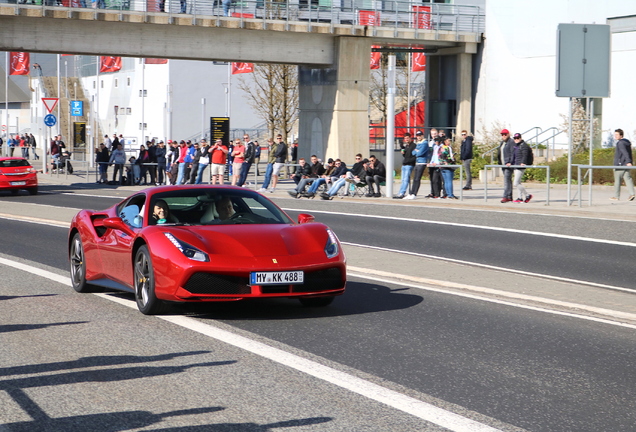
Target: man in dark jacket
pixel 316 170
pixel 504 157
pixel 160 156
pixel 622 157
pixel 466 155
pixel 408 163
pixel 520 158
pixel 376 174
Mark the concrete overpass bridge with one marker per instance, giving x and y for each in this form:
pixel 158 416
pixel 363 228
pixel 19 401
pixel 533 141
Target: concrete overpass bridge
pixel 330 41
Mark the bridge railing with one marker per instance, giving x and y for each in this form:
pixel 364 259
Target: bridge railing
pixel 394 14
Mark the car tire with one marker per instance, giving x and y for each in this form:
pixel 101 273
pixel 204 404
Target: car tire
pixel 316 301
pixel 77 260
pixel 33 190
pixel 15 192
pixel 147 301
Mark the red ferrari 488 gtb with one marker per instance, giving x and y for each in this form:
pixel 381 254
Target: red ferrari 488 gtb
pixel 204 243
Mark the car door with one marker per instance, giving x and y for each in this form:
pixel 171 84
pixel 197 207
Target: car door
pixel 117 244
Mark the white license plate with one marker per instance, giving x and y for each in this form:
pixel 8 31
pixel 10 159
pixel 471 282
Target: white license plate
pixel 21 183
pixel 277 278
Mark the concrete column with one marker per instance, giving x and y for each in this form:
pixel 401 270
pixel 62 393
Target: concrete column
pixel 464 91
pixel 334 104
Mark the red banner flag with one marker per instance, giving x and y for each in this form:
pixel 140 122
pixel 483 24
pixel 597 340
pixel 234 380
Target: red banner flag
pixel 368 18
pixel 19 63
pixel 375 58
pixel 422 17
pixel 242 15
pixel 109 64
pixel 419 62
pixel 66 55
pixel 238 68
pixel 155 61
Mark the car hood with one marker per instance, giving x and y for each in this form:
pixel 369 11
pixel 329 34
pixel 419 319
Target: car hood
pixel 255 240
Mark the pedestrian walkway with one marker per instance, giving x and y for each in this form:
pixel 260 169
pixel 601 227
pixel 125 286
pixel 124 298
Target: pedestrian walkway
pixel 602 207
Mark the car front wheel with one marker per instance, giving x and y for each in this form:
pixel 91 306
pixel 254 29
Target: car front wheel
pixel 147 301
pixel 78 265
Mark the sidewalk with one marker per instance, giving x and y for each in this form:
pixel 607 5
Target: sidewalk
pixel 602 207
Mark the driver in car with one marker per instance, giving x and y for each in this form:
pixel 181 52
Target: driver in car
pixel 224 208
pixel 160 212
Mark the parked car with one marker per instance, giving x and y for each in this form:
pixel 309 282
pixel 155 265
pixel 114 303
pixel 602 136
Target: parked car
pixel 17 173
pixel 204 243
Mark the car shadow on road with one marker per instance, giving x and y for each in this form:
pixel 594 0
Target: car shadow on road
pixel 359 298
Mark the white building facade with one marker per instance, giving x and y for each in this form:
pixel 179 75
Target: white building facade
pixel 517 75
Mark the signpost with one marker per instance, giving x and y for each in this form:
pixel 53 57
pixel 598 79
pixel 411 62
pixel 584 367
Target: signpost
pixel 583 71
pixel 50 121
pixel 220 129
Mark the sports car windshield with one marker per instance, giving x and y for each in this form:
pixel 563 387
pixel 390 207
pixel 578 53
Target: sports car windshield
pixel 214 206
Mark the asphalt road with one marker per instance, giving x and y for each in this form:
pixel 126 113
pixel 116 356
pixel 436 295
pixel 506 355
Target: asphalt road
pixel 496 363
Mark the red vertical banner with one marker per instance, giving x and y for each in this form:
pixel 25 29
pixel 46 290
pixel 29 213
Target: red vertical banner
pixel 369 18
pixel 419 62
pixel 156 61
pixel 109 64
pixel 376 58
pixel 19 63
pixel 422 17
pixel 238 68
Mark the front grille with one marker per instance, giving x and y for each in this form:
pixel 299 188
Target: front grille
pixel 210 283
pixel 274 289
pixel 321 280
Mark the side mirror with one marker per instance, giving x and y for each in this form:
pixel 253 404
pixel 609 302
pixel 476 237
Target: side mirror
pixel 304 218
pixel 117 224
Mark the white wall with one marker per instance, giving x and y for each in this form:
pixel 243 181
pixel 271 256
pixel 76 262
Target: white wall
pixel 517 78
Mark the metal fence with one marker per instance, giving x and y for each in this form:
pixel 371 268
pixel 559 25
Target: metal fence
pixel 590 169
pixel 376 13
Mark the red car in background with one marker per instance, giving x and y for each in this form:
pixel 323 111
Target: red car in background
pixel 17 173
pixel 204 243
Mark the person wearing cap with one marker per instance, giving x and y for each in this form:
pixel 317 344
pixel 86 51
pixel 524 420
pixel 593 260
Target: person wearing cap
pixel 520 153
pixel 466 155
pixel 504 158
pixel 408 163
pixel 622 157
pixel 421 158
pixel 218 158
pixel 204 160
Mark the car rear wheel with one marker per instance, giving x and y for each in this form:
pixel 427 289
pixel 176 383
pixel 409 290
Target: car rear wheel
pixel 316 301
pixel 147 301
pixel 78 265
pixel 33 190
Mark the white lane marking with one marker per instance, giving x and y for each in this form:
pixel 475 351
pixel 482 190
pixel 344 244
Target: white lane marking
pixel 399 401
pixel 492 267
pixel 465 209
pixel 34 220
pixel 365 274
pixel 98 196
pixel 484 227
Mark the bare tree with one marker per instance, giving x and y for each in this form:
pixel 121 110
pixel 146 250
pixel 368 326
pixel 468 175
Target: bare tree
pixel 580 126
pixel 272 90
pixel 378 88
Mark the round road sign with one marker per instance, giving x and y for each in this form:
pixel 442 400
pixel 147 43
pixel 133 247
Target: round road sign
pixel 50 120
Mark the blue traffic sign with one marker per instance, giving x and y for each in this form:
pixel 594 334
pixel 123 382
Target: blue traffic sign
pixel 77 108
pixel 50 120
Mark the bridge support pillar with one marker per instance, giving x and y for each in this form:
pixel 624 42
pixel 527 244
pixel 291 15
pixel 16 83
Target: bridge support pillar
pixel 334 104
pixel 464 92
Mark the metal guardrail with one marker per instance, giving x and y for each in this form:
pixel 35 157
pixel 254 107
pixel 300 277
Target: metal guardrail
pixel 547 182
pixel 590 169
pixel 392 14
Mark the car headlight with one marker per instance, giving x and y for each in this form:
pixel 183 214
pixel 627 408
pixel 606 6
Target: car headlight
pixel 188 250
pixel 331 248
